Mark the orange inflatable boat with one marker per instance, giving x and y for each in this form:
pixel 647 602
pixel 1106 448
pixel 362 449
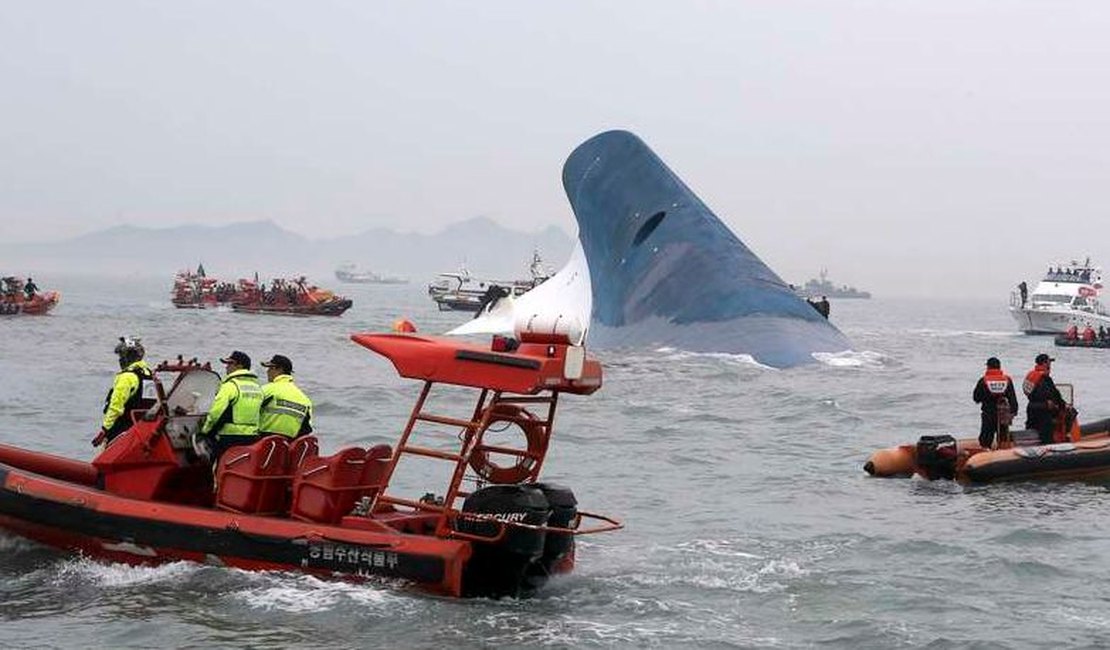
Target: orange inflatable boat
pixel 1077 452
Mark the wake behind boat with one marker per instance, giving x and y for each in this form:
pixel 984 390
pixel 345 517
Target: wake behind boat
pixel 1067 295
pixel 277 504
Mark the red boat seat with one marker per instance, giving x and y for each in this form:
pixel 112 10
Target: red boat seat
pixel 302 449
pixel 326 488
pixel 254 478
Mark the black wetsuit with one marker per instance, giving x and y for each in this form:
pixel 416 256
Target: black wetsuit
pixel 991 406
pixel 1044 401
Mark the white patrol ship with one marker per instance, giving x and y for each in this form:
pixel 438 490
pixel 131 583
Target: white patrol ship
pixel 1068 294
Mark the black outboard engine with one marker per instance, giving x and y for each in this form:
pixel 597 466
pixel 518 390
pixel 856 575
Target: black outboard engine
pixel 558 550
pixel 499 569
pixel 936 457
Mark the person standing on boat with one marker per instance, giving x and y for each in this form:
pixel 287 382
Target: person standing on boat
pixel 286 410
pixel 995 391
pixel 234 416
pixel 1024 290
pixel 1045 400
pixel 132 389
pixel 30 289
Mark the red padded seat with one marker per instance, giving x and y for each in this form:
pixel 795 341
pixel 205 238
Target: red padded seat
pixel 254 478
pixel 326 488
pixel 300 450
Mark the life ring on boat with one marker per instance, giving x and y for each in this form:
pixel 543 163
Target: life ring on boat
pixel 524 466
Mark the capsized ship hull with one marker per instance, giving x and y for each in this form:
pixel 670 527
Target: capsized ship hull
pixel 654 267
pixel 665 271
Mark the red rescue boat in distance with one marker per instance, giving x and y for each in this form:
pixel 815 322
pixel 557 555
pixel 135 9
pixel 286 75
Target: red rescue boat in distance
pixel 13 300
pixel 290 298
pixel 493 530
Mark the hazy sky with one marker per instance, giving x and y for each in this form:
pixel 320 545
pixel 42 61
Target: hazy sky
pixel 910 147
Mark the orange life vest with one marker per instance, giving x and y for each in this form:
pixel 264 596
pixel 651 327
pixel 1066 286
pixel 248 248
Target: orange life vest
pixel 1033 379
pixel 996 381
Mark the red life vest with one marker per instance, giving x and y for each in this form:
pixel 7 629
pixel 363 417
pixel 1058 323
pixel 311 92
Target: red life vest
pixel 1088 333
pixel 1033 379
pixel 1072 333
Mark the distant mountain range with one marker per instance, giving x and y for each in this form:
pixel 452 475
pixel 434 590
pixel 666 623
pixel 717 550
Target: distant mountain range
pixel 239 249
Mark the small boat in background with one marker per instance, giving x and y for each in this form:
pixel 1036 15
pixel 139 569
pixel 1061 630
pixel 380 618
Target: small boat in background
pixel 294 297
pixel 821 287
pixel 196 290
pixel 462 292
pixel 350 274
pixel 15 299
pixel 1064 341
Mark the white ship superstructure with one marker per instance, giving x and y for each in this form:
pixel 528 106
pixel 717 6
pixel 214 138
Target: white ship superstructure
pixel 1068 294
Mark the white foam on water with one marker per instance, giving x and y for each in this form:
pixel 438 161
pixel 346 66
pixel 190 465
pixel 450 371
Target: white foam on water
pixel 674 354
pixel 717 547
pixel 937 333
pixel 307 594
pixel 11 543
pixel 852 359
pixel 114 575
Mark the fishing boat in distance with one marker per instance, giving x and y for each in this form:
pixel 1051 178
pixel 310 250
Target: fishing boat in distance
pixel 350 273
pixel 821 287
pixel 18 297
pixel 289 297
pixel 493 529
pixel 460 291
pixel 1068 294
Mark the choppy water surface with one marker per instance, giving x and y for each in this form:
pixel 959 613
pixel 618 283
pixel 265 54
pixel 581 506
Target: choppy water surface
pixel 750 523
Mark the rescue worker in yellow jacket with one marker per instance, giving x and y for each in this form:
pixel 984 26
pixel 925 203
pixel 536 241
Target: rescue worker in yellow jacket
pixel 286 410
pixel 132 389
pixel 233 418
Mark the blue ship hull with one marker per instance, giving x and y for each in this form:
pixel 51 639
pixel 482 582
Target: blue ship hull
pixel 666 272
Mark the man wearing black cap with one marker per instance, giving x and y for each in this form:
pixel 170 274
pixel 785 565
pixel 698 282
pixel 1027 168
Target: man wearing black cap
pixel 233 418
pixel 285 409
pixel 1045 399
pixel 995 391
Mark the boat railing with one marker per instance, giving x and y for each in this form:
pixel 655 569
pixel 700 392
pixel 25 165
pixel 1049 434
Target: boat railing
pixel 608 524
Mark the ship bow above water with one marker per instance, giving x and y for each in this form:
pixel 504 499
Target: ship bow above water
pixel 666 272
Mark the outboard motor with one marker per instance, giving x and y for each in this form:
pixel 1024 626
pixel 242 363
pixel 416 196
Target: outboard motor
pixel 499 569
pixel 936 457
pixel 558 550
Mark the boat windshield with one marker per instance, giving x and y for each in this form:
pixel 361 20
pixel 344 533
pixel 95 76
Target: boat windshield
pixel 1056 298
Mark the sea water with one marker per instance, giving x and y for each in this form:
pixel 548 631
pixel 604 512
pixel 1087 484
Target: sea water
pixel 750 522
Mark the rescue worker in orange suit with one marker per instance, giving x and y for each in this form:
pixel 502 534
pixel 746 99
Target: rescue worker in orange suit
pixel 1088 333
pixel 995 391
pixel 132 389
pixel 1072 333
pixel 1045 400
